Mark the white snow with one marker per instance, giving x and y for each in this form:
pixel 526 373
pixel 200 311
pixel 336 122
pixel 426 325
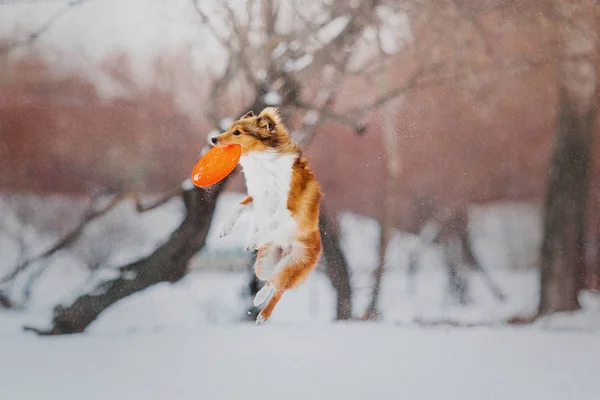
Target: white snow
pixel 185 340
pixel 261 75
pixel 331 30
pixel 295 45
pixel 311 117
pixel 394 29
pixel 291 361
pixel 272 98
pixel 225 123
pixel 299 63
pixel 187 184
pixel 279 50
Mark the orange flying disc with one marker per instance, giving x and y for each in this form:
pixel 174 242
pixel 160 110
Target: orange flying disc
pixel 216 164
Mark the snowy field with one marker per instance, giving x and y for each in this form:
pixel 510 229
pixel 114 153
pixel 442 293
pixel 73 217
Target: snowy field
pixel 185 340
pixel 307 361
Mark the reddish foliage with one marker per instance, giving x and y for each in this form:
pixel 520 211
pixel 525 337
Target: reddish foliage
pixel 457 147
pixel 58 135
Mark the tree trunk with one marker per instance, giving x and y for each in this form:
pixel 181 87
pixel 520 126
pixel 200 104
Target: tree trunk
pixel 336 266
pixel 592 259
pixel 392 164
pixel 458 285
pixel 593 267
pixel 168 263
pixel 254 285
pixel 593 283
pixel 562 250
pixel 468 254
pixel 372 312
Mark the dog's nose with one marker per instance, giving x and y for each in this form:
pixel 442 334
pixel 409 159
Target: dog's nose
pixel 214 140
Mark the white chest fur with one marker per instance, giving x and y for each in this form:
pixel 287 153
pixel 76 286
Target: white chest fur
pixel 268 178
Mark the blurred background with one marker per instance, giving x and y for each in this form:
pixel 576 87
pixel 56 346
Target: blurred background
pixel 453 139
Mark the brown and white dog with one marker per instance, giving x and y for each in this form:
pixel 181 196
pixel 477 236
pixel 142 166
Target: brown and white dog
pixel 283 199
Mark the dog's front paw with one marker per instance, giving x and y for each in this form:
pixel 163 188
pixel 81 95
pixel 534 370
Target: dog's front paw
pixel 251 246
pixel 225 230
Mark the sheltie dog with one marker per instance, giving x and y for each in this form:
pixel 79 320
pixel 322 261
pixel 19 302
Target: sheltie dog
pixel 283 201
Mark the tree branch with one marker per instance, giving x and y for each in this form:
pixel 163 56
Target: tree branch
pixel 35 35
pixel 329 114
pixel 472 19
pixel 237 54
pixel 90 215
pixel 68 239
pixel 164 198
pixel 355 26
pixel 415 83
pixel 326 97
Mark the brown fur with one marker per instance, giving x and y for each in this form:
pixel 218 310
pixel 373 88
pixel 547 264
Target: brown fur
pixel 246 201
pixel 259 133
pixel 263 132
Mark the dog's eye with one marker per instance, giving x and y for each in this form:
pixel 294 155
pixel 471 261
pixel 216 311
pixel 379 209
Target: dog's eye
pixel 237 133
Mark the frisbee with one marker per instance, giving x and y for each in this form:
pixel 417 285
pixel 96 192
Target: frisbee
pixel 216 164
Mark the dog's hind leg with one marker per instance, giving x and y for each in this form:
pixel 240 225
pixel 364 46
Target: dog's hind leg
pixel 291 271
pixel 273 259
pixel 263 294
pixel 266 260
pixel 266 312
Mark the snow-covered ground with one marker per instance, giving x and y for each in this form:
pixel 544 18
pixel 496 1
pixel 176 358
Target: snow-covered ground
pixel 303 361
pixel 186 340
pixel 209 296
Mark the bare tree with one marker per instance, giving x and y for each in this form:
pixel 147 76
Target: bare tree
pixel 336 264
pixel 273 51
pixel 27 221
pixel 318 43
pixel 447 54
pixel 451 232
pixel 386 222
pixel 430 66
pixel 93 212
pixel 32 37
pixel 168 263
pixel 593 254
pixel 562 251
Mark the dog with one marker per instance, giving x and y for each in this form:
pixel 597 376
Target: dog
pixel 283 201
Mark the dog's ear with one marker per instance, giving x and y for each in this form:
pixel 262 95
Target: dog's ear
pixel 269 119
pixel 266 122
pixel 248 114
